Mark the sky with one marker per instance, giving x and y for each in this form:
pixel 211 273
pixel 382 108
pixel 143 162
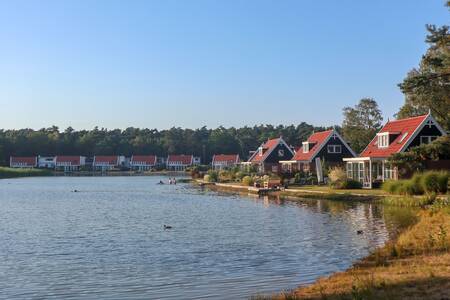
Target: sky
pixel 159 64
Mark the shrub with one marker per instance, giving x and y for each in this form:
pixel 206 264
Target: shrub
pixel 430 182
pixel 443 182
pixel 416 182
pixel 337 174
pixel 391 186
pixel 297 177
pixel 213 176
pixel 207 178
pixel 351 184
pixel 247 180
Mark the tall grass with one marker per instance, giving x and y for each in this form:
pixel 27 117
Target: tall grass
pixel 431 182
pixel 13 173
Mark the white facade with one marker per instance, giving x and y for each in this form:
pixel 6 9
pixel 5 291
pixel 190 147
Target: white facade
pixel 47 162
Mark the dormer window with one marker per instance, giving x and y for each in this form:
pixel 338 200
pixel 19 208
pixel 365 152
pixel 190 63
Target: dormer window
pixel 383 140
pixel 403 137
pixel 305 147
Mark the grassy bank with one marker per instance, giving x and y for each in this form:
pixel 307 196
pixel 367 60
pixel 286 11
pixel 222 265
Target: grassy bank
pixel 13 173
pixel 414 266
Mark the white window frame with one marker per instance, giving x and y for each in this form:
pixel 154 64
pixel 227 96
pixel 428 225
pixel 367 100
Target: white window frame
pixel 334 148
pixel 429 138
pixel 305 146
pixel 383 140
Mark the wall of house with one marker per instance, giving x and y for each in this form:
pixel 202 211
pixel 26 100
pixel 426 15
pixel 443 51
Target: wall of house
pixel 334 158
pixel 426 131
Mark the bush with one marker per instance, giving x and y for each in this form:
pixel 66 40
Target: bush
pixel 430 182
pixel 391 186
pixel 247 180
pixel 351 184
pixel 337 174
pixel 213 176
pixel 207 178
pixel 297 177
pixel 416 182
pixel 443 182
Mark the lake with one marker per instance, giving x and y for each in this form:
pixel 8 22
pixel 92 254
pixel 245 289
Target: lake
pixel 107 241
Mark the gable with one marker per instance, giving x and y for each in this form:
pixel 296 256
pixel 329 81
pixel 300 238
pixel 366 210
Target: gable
pixel 334 157
pixel 281 152
pixel 426 131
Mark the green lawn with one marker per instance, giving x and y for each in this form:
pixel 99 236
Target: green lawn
pixel 327 189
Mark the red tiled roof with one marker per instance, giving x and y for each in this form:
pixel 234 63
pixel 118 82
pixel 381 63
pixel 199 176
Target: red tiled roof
pixel 26 161
pixel 225 158
pixel 182 159
pixel 144 159
pixel 400 127
pixel 106 159
pixel 73 160
pixel 318 139
pixel 267 147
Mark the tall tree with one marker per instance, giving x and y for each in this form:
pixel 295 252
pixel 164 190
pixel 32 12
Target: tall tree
pixel 428 86
pixel 361 123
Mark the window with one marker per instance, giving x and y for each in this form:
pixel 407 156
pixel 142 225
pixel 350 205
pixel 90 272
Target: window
pixel 349 170
pixel 281 153
pixel 260 149
pixel 305 147
pixel 334 149
pixel 383 140
pixel 403 137
pixel 427 139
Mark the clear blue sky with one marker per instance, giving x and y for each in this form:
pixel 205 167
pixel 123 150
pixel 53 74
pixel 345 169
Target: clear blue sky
pixel 160 64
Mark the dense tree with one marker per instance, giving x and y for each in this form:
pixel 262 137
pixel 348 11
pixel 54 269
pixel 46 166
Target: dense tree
pixel 361 123
pixel 202 142
pixel 428 86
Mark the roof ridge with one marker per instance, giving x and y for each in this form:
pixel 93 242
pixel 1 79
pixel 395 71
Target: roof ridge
pixel 409 118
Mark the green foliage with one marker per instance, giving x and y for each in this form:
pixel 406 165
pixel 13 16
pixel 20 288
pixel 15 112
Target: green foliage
pixel 435 182
pixel 431 182
pixel 298 177
pixel 391 186
pixel 12 173
pixel 351 184
pixel 361 123
pixel 207 178
pixel 415 159
pixel 247 180
pixel 213 176
pixel 428 87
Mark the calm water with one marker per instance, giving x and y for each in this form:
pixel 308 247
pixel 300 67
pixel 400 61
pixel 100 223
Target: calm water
pixel 107 241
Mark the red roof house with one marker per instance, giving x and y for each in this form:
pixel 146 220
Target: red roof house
pixel 71 163
pixel 143 162
pixel 221 161
pixel 268 156
pixel 23 162
pixel 179 162
pixel 394 137
pixel 106 162
pixel 328 146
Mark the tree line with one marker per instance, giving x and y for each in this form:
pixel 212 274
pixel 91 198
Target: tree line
pixel 203 142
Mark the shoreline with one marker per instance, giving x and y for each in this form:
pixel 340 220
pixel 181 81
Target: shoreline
pixel 9 173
